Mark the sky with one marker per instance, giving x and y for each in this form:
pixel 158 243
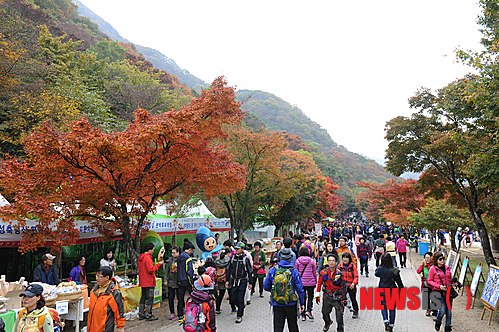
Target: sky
pixel 348 65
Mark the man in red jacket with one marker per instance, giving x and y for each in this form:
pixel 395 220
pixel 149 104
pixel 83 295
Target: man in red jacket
pixel 147 281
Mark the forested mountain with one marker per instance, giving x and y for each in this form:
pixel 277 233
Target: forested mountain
pixel 62 65
pixel 158 59
pixel 343 166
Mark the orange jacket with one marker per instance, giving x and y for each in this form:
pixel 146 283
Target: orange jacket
pixel 106 309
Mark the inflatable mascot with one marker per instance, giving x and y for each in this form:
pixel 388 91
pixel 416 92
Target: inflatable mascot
pixel 205 239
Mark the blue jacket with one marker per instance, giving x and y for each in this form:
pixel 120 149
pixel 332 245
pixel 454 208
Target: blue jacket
pixel 39 275
pixel 295 282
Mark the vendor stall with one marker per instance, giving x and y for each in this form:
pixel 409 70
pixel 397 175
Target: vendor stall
pixel 131 296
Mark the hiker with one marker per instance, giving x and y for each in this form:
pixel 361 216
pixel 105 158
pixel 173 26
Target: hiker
pixel 343 248
pixel 391 249
pixel 221 264
pixel 440 279
pixel 34 315
pixel 379 248
pixel 364 254
pixel 389 277
pixel 171 281
pixel 78 273
pixel 351 276
pixel 185 276
pixel 147 282
pixel 106 309
pixel 334 290
pixel 285 287
pixel 200 307
pixel 238 276
pixel 307 268
pixel 259 261
pixel 401 246
pixel 423 270
pixel 323 259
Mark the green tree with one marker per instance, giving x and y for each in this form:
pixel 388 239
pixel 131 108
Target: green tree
pixel 438 214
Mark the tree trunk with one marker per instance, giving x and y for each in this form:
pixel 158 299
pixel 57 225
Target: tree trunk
pixel 276 230
pixel 452 237
pixel 484 238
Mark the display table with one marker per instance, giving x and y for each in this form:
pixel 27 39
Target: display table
pixel 70 310
pixel 131 296
pixel 9 318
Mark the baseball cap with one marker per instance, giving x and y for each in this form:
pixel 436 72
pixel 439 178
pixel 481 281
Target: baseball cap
pixel 203 282
pixel 240 245
pixel 32 290
pixel 48 256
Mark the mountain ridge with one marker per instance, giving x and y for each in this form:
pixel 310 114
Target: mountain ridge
pixel 343 166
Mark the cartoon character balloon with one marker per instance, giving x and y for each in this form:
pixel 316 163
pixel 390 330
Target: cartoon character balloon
pixel 205 239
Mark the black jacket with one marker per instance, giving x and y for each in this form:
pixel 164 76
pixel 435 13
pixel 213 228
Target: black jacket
pixel 388 278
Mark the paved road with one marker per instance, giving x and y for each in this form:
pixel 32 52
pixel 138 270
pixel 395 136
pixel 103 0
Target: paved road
pixel 258 315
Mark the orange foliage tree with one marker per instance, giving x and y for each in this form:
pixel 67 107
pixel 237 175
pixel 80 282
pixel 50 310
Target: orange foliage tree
pixel 328 201
pixel 114 180
pixel 391 200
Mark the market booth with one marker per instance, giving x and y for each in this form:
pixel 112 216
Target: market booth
pixel 72 304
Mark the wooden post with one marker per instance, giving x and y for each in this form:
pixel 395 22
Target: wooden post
pixel 486 307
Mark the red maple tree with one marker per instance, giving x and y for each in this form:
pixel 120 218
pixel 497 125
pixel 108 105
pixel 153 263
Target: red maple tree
pixel 392 200
pixel 114 180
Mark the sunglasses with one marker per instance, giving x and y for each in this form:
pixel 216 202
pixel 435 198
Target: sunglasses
pixel 440 259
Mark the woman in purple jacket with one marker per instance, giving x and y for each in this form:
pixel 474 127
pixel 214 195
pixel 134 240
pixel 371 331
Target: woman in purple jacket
pixel 307 268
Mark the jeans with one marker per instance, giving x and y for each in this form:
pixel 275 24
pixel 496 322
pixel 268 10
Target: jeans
pixel 146 300
pixel 394 258
pixel 444 311
pixel 283 313
pixel 172 292
pixel 353 298
pixel 403 258
pixel 327 306
pixel 309 297
pixel 384 313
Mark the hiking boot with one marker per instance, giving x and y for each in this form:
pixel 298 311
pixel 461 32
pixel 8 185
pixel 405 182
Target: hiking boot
pixel 303 317
pixel 367 275
pixel 218 312
pixel 387 326
pixel 355 314
pixel 181 319
pixel 428 313
pixel 142 316
pixel 390 328
pixel 326 327
pixel 261 295
pixel 171 317
pixel 309 315
pixel 448 329
pixel 248 302
pixel 437 326
pixel 151 318
pixel 239 320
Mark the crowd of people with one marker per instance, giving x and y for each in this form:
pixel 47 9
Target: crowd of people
pixel 302 269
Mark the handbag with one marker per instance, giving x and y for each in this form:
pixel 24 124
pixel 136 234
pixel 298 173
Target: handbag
pixel 453 292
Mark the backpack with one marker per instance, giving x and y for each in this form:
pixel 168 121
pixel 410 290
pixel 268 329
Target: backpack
pixel 282 291
pixel 194 317
pixel 58 325
pixel 221 275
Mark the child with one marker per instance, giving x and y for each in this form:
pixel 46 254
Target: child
pixel 200 307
